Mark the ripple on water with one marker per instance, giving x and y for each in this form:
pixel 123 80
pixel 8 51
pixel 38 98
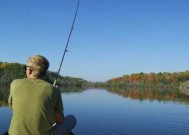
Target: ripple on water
pixel 167 124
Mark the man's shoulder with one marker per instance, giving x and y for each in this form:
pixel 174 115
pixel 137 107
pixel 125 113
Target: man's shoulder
pixel 18 80
pixel 47 84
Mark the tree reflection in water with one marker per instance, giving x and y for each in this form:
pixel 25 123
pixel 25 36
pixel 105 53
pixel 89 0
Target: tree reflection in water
pixel 151 94
pixel 159 94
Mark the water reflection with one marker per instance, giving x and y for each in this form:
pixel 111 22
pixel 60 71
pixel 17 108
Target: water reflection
pixel 114 115
pixel 151 94
pixel 121 112
pixel 73 89
pixel 136 93
pixel 3 103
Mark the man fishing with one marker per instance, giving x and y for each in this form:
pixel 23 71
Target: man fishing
pixel 36 104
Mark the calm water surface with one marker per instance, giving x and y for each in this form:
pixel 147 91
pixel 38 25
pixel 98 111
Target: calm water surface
pixel 100 112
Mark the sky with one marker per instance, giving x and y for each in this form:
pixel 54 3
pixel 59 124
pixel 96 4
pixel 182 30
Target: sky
pixel 111 38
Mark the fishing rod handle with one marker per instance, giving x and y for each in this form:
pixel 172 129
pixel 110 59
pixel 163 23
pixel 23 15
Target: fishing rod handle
pixel 54 84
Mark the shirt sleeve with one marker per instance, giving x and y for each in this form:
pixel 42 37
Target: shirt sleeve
pixel 10 96
pixel 59 104
pixel 10 101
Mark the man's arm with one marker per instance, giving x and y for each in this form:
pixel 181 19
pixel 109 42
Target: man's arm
pixel 10 99
pixel 59 115
pixel 59 118
pixel 10 102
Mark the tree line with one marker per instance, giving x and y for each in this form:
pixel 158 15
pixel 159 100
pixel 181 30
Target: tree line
pixel 11 71
pixel 164 79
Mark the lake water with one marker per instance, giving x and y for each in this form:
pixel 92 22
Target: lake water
pixel 108 112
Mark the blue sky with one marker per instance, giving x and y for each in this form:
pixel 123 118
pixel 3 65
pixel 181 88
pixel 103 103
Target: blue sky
pixel 111 37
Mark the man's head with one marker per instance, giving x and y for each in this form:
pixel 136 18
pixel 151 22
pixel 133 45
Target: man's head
pixel 37 66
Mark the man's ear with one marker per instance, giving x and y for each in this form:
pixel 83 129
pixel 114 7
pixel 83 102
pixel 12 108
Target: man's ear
pixel 30 71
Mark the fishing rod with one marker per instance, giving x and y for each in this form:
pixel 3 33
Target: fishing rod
pixel 65 50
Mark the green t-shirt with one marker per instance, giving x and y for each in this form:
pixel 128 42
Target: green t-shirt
pixel 34 104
